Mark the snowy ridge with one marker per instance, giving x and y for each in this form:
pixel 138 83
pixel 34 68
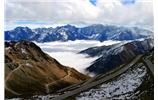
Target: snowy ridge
pixel 116 54
pixel 69 32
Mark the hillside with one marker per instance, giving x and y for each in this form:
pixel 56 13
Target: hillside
pixel 117 54
pixel 30 71
pixel 130 81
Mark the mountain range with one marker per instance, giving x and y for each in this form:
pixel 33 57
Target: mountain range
pixel 122 71
pixel 68 32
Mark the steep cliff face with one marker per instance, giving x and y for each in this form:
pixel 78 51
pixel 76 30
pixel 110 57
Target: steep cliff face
pixel 117 54
pixel 29 71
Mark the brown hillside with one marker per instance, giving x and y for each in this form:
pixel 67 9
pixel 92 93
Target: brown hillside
pixel 29 71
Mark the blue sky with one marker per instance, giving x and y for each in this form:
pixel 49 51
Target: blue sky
pixel 123 2
pixel 93 2
pixel 128 1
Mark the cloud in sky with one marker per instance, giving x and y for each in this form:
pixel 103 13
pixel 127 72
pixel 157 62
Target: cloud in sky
pixel 80 12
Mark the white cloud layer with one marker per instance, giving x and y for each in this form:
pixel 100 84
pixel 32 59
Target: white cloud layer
pixel 81 12
pixel 67 52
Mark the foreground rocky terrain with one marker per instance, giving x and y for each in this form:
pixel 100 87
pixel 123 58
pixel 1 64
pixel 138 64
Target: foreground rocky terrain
pixel 130 81
pixel 31 74
pixel 29 71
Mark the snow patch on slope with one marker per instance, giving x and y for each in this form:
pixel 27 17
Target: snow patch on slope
pixel 121 88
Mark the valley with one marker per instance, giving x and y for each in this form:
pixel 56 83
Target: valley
pixel 115 64
pixel 67 53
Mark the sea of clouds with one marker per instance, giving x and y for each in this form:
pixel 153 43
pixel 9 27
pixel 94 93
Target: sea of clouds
pixel 67 53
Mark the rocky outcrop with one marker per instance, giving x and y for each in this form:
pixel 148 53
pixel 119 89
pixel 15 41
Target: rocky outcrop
pixel 29 71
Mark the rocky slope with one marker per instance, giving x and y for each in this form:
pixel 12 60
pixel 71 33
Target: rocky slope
pixel 69 32
pixel 29 71
pixel 130 81
pixel 117 54
pixel 137 83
